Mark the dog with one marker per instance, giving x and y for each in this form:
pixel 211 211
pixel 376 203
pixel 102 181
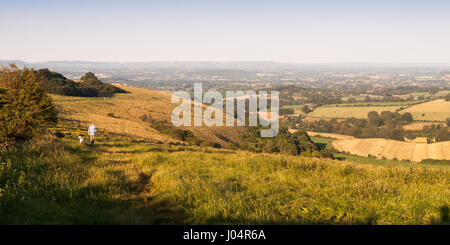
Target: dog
pixel 81 139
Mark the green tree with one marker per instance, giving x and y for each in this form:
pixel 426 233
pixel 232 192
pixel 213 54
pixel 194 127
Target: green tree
pixel 89 80
pixel 24 106
pixel 374 118
pixel 305 109
pixel 386 116
pixel 407 117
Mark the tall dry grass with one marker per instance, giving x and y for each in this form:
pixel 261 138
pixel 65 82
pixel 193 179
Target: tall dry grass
pixel 124 182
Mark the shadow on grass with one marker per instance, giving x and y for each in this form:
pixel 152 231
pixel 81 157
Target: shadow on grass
pixel 118 201
pixel 321 146
pixel 444 217
pixel 156 148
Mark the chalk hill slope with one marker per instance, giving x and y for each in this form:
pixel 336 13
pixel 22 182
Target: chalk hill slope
pixel 121 114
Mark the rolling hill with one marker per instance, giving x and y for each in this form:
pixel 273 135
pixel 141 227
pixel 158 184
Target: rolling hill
pixel 121 114
pixel 125 180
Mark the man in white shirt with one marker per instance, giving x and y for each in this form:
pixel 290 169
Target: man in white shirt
pixel 91 131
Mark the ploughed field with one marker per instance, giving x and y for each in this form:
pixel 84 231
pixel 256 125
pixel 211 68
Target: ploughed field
pixel 394 149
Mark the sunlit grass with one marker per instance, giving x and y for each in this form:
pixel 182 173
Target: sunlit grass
pixel 123 182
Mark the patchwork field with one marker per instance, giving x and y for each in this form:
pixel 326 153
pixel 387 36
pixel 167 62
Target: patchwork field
pixel 394 149
pixel 347 112
pixel 436 110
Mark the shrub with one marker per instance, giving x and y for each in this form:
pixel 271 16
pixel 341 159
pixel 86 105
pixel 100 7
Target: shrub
pixel 59 134
pixel 164 127
pixel 91 86
pixel 407 117
pixel 24 106
pixel 111 114
pixel 435 162
pixel 231 146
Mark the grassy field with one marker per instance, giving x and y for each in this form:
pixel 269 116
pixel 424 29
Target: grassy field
pixel 295 107
pixel 416 94
pixel 420 125
pixel 442 93
pixel 326 135
pixel 145 177
pixel 326 143
pixel 362 104
pixel 347 112
pixel 125 182
pixel 436 110
pixel 333 136
pixel 437 95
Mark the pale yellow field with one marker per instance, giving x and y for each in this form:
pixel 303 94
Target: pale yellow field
pixel 420 125
pixel 394 149
pixel 441 93
pixel 347 112
pixel 326 135
pixel 333 136
pixel 436 110
pixel 315 119
pixel 128 108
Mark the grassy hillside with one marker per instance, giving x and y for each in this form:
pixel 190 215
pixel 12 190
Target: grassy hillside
pixel 122 114
pixel 124 182
pixel 135 174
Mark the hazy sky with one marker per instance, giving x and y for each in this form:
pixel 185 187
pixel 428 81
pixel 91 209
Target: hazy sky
pixel 227 30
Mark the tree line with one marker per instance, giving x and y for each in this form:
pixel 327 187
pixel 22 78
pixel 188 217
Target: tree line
pixel 386 124
pixel 297 143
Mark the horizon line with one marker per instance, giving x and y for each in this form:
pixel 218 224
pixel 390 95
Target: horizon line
pixel 237 61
